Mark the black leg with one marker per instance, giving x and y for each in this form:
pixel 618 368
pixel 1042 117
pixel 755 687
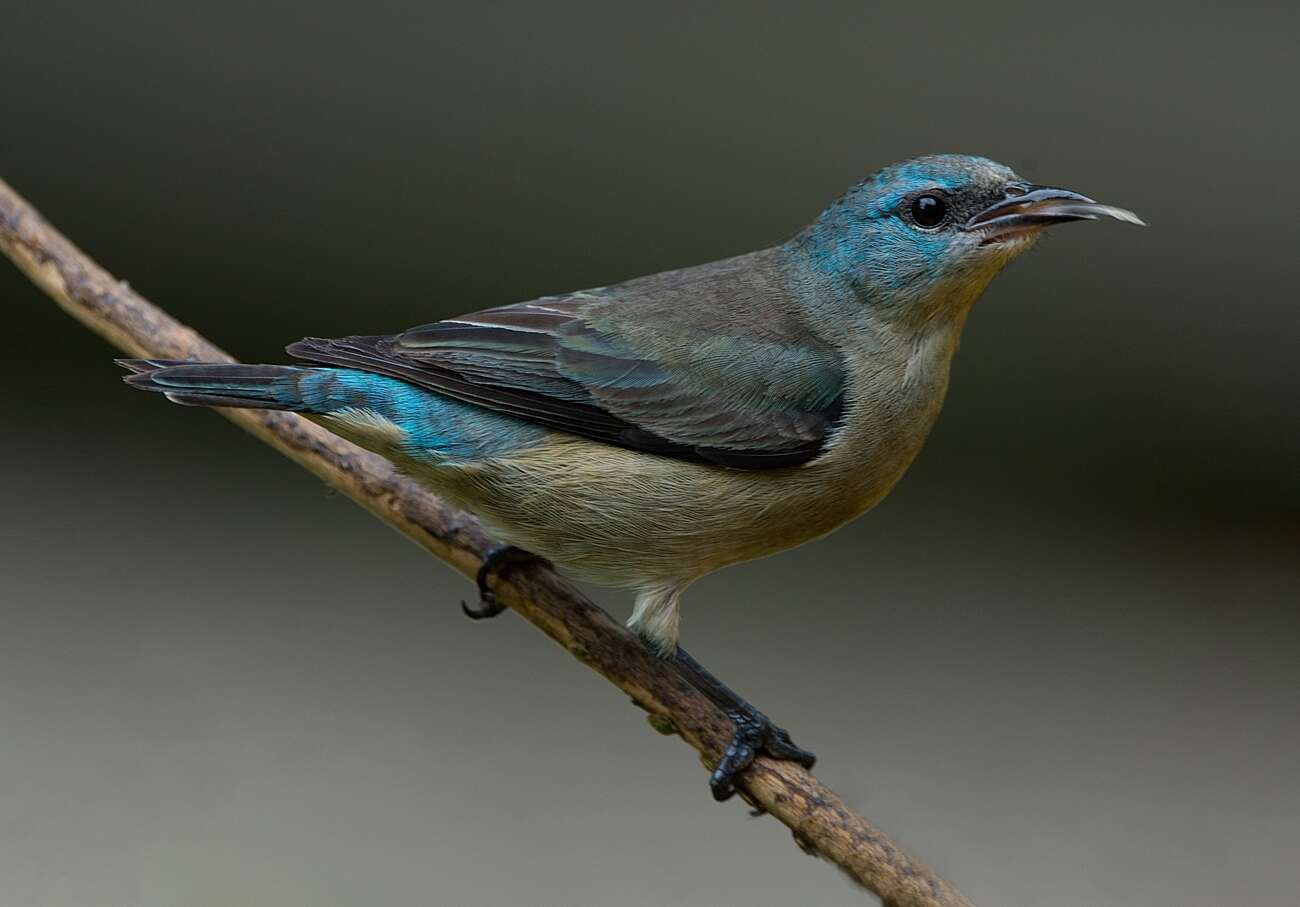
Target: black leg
pixel 755 732
pixel 496 558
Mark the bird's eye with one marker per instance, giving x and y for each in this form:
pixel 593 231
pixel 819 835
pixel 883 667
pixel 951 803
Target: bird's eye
pixel 929 210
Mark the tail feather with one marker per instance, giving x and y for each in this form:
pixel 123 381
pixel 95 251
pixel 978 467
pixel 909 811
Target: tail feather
pixel 376 411
pixel 149 365
pixel 221 383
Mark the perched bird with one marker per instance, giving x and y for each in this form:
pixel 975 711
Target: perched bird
pixel 645 434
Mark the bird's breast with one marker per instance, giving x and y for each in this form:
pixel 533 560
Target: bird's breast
pixel 895 393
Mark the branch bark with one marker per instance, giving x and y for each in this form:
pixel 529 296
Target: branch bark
pixel 819 819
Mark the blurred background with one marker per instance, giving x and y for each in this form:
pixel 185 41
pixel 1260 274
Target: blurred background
pixel 1059 663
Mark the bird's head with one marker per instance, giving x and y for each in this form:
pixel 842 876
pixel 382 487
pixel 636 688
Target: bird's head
pixel 926 236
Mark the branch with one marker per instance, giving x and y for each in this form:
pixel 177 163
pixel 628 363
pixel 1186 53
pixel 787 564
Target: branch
pixel 820 820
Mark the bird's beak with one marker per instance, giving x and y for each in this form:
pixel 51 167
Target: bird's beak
pixel 1027 209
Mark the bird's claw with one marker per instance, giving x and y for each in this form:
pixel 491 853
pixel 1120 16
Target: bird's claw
pixel 496 558
pixel 755 733
pixel 488 606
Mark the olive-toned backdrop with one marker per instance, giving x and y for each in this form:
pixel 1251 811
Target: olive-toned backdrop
pixel 1059 662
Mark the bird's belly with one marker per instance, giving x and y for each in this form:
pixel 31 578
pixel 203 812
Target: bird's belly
pixel 618 517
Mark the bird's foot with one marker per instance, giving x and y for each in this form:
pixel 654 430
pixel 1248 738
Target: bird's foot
pixel 755 733
pixel 498 557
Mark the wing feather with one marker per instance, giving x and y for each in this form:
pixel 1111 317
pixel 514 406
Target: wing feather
pixel 616 370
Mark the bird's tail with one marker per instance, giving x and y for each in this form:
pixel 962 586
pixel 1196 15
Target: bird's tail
pixel 285 387
pixel 380 413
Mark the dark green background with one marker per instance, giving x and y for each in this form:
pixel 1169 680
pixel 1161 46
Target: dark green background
pixel 1059 662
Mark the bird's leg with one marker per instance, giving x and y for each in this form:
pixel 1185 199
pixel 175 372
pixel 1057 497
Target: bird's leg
pixel 755 732
pixel 498 557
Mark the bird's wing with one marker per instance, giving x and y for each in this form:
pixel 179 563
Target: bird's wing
pixel 620 371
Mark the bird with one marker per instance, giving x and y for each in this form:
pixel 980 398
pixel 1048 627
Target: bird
pixel 645 434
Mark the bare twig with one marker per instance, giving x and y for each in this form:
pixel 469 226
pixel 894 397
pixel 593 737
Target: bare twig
pixel 819 819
